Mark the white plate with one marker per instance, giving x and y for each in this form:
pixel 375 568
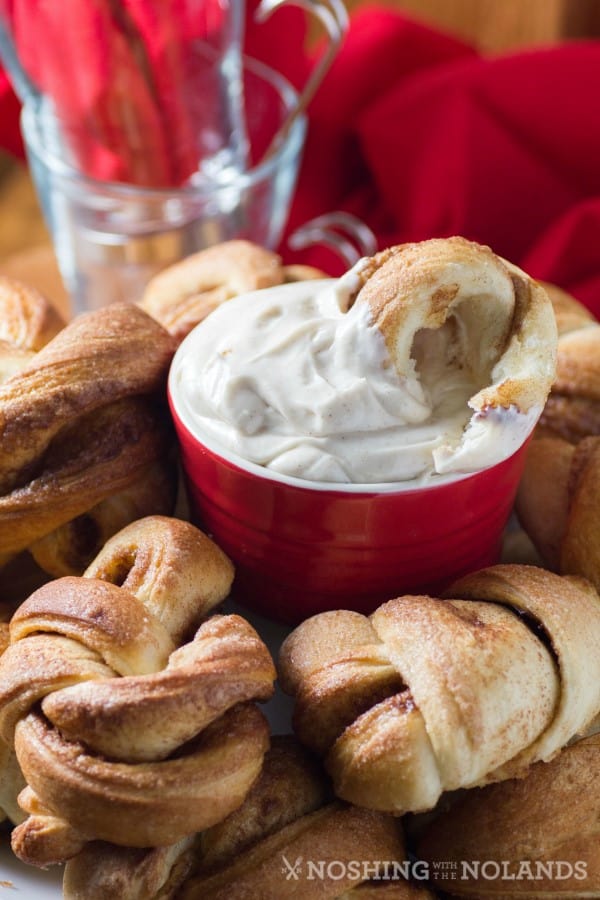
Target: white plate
pixel 18 880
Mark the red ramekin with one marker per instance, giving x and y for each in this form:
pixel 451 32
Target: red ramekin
pixel 303 547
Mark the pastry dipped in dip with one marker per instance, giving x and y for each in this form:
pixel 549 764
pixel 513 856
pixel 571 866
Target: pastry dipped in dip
pixel 424 362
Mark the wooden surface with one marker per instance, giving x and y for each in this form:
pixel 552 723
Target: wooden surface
pixel 25 246
pixel 498 25
pixel 21 223
pixel 37 267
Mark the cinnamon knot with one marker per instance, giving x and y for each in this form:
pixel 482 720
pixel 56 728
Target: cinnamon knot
pixel 84 439
pixel 289 839
pixel 182 295
pixel 125 729
pixel 572 410
pixel 429 695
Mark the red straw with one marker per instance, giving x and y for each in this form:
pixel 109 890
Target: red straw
pixel 121 78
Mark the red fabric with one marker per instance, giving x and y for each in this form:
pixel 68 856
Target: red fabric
pixel 418 135
pixel 10 135
pixel 421 137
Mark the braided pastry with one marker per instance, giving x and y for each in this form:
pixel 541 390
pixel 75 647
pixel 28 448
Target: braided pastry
pixel 80 423
pixel 465 330
pixel 261 849
pixel 429 695
pixel 11 779
pixel 183 294
pixel 27 323
pixel 122 734
pixel 572 410
pixel 540 835
pixel 498 320
pixel 69 548
pixel 558 504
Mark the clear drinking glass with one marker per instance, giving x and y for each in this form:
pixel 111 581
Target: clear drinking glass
pixel 146 92
pixel 149 135
pixel 110 238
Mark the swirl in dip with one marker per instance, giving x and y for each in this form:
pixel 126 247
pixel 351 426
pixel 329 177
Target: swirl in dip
pixel 400 371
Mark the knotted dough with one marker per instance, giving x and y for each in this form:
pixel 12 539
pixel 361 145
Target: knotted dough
pixel 572 410
pixel 127 726
pixel 263 849
pixel 542 831
pixel 84 441
pixel 183 294
pixel 429 695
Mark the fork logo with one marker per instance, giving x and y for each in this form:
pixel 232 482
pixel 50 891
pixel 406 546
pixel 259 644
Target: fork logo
pixel 293 870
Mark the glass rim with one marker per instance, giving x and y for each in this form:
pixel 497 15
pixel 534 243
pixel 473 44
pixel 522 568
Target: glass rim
pixel 243 180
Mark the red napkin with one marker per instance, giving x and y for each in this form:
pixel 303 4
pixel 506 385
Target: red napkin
pixel 419 136
pixel 10 135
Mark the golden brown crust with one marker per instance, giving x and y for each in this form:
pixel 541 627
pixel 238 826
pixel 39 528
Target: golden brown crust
pixel 79 423
pixel 506 319
pixel 143 804
pixel 92 460
pixel 475 695
pixel 578 368
pixel 551 815
pixel 291 785
pixel 27 323
pixel 27 319
pixel 564 612
pixel 71 547
pixel 573 407
pixel 338 833
pixel 262 849
pixel 569 313
pixel 569 417
pixel 302 273
pixel 11 784
pixel 100 357
pixel 122 734
pixel 11 779
pixel 558 504
pixel 104 871
pixel 542 502
pixel 159 559
pixel 185 293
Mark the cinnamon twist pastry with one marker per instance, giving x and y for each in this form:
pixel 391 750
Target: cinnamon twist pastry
pixel 572 410
pixel 123 732
pixel 262 849
pixel 537 837
pixel 11 779
pixel 182 295
pixel 68 549
pixel 453 306
pixel 498 321
pixel 429 695
pixel 28 321
pixel 558 504
pixel 80 423
pixel 11 784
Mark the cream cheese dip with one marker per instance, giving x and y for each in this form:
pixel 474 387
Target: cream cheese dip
pixel 299 379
